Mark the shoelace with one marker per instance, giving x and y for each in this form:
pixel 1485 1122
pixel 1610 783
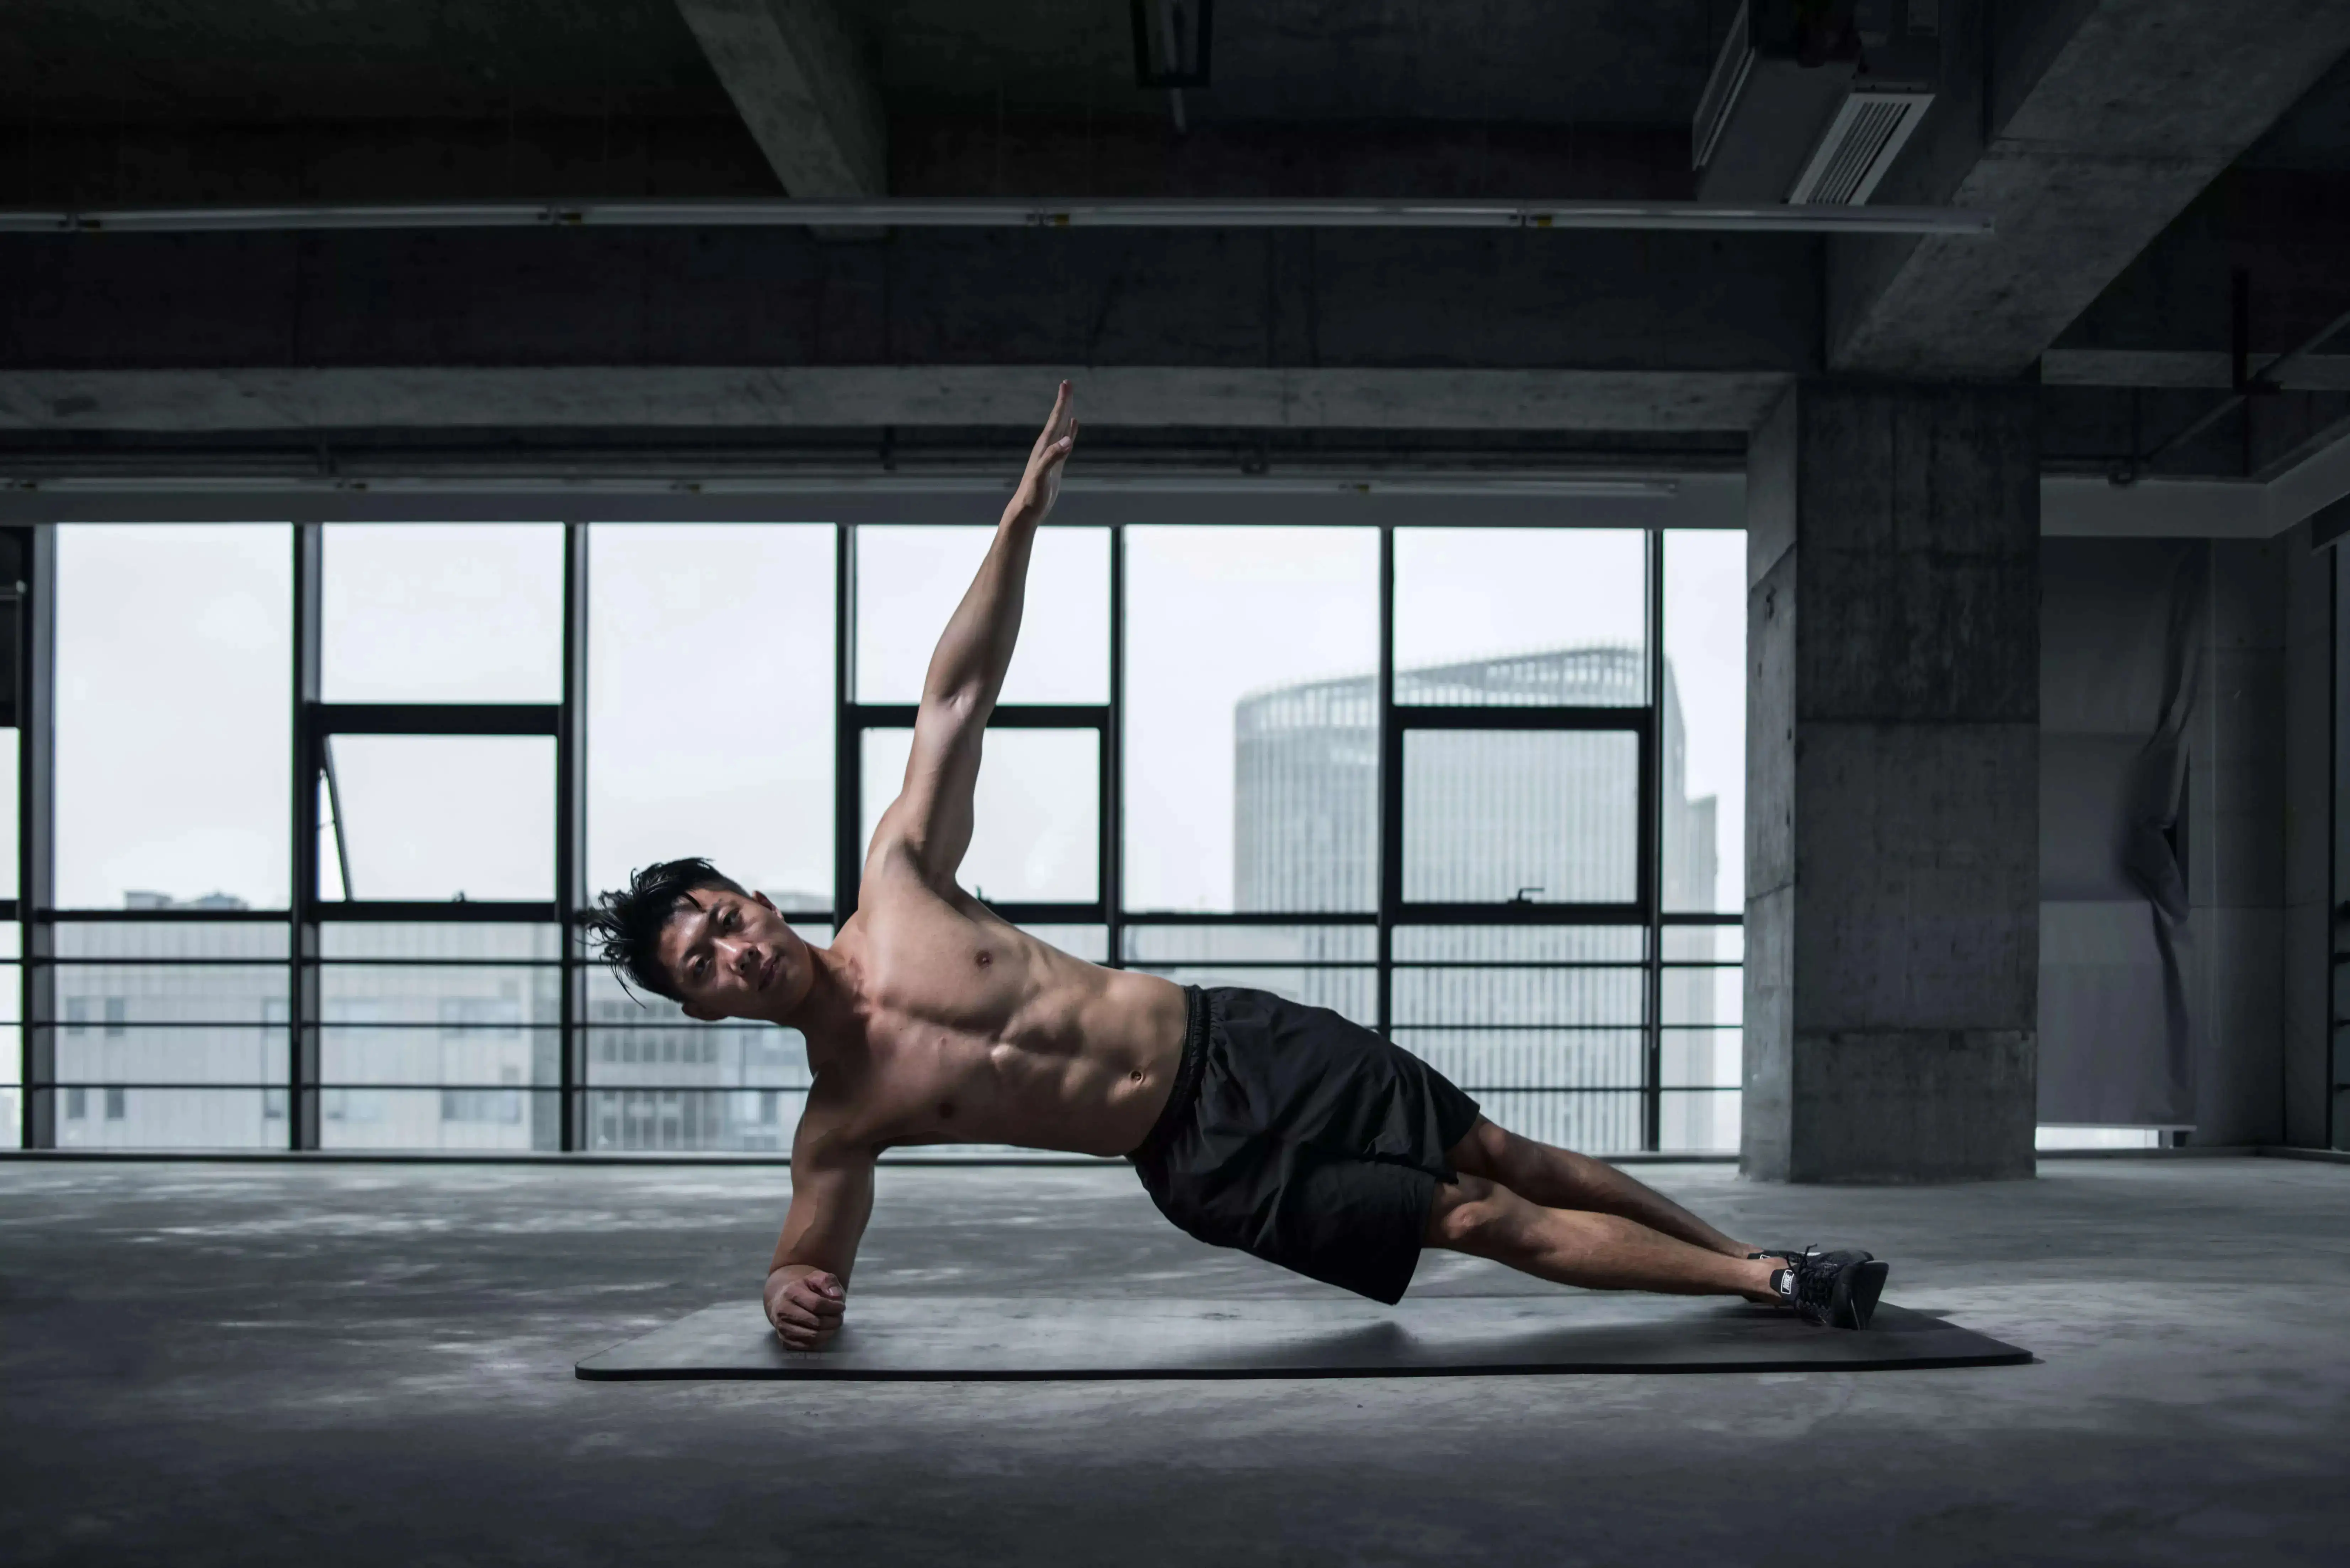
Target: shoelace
pixel 1806 1287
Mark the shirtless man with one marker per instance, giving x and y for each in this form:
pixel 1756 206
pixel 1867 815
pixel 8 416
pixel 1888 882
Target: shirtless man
pixel 1255 1123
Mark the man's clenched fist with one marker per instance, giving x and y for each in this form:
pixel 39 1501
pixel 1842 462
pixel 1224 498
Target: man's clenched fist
pixel 804 1305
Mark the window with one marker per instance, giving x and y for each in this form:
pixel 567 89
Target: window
pixel 174 653
pixel 440 1035
pixel 190 1013
pixel 1521 617
pixel 1704 841
pixel 464 612
pixel 1251 771
pixel 1521 859
pixel 1036 837
pixel 909 580
pixel 709 691
pixel 1523 816
pixel 437 818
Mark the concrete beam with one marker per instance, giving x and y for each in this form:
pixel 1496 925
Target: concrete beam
pixel 259 398
pixel 800 82
pixel 2106 118
pixel 584 298
pixel 2179 367
pixel 2317 482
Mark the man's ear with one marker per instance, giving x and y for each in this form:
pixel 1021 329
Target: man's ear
pixel 694 1010
pixel 768 903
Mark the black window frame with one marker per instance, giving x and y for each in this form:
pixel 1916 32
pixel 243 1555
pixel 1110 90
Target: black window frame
pixel 313 721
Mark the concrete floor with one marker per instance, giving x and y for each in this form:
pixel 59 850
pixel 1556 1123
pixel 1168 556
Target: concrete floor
pixel 261 1364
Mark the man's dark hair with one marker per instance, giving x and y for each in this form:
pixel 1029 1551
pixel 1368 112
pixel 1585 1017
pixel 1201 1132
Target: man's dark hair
pixel 631 920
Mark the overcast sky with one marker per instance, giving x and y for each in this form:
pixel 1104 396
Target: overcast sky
pixel 710 690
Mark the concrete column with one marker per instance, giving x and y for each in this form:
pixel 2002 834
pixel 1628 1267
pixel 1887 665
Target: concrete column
pixel 1892 841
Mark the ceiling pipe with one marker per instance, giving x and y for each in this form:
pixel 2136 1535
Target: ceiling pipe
pixel 957 212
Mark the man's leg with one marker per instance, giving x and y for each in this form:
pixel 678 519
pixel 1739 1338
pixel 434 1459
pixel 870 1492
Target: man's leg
pixel 1597 1251
pixel 1559 1179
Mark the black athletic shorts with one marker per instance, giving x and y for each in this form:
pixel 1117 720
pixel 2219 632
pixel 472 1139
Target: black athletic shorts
pixel 1302 1138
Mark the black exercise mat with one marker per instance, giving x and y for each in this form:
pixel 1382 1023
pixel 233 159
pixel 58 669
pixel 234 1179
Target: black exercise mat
pixel 1023 1339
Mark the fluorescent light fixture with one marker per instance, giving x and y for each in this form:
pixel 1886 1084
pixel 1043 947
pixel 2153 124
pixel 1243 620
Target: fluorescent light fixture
pixel 921 212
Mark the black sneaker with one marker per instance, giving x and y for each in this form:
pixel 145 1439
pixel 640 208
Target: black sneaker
pixel 1834 1290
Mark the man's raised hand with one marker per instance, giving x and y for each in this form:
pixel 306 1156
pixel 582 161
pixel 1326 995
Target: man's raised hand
pixel 805 1306
pixel 1042 483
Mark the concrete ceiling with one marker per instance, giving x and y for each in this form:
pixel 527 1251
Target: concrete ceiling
pixel 237 61
pixel 1623 62
pixel 2136 155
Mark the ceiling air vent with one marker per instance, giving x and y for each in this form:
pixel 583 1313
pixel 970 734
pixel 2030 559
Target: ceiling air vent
pixel 1811 100
pixel 1861 144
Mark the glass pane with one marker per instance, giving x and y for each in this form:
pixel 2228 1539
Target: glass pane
pixel 253 1055
pixel 174 662
pixel 1037 838
pixel 1704 944
pixel 1519 944
pixel 1705 719
pixel 1700 1058
pixel 1520 998
pixel 1252 944
pixel 440 816
pixel 94 998
pixel 1521 617
pixel 697 1056
pixel 460 1055
pixel 1483 1061
pixel 1698 1121
pixel 12 1103
pixel 1716 994
pixel 470 940
pixel 8 781
pixel 453 612
pixel 1252 721
pixel 97 1117
pixel 710 692
pixel 745 1121
pixel 254 941
pixel 452 998
pixel 909 579
pixel 12 1039
pixel 1551 816
pixel 467 1118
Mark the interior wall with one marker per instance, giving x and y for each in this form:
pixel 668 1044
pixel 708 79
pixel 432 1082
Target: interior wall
pixel 2237 848
pixel 2311 722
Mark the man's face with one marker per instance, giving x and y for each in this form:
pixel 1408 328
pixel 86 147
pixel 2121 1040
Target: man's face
pixel 730 955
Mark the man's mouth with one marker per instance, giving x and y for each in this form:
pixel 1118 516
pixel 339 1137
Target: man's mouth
pixel 774 967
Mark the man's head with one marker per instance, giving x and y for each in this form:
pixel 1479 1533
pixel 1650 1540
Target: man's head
pixel 682 930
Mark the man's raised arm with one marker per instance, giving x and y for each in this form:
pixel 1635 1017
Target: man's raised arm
pixel 933 816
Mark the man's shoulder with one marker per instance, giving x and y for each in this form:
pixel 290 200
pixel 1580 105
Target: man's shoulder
pixel 829 1133
pixel 895 892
